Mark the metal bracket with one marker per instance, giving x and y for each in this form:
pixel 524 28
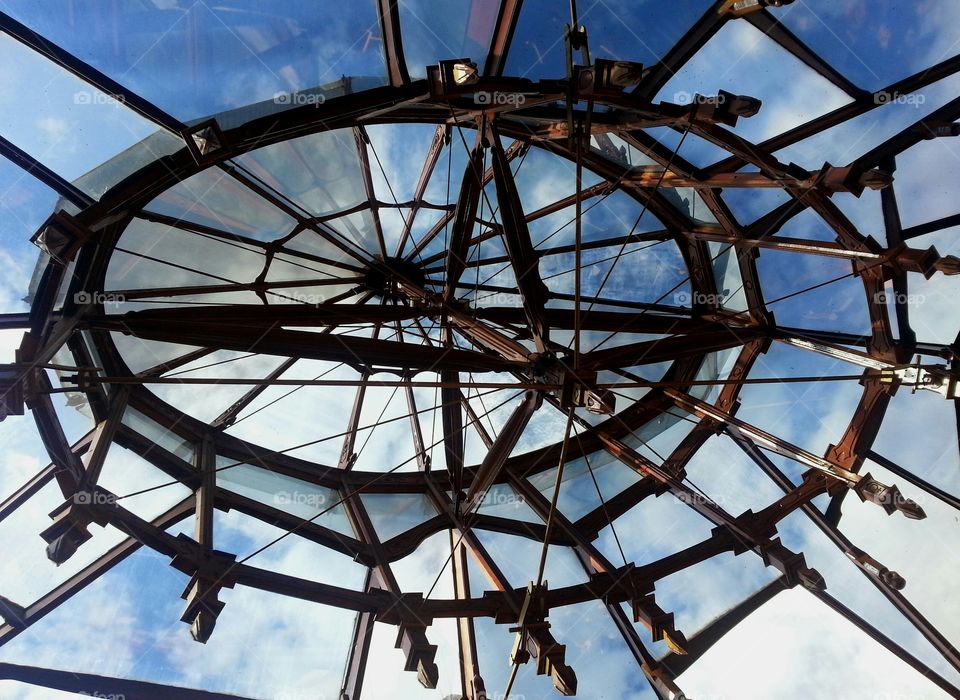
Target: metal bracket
pixel 937 378
pixel 209 572
pixel 12 401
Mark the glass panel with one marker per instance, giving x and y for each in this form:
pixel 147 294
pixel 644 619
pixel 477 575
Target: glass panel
pixel 845 142
pixel 213 198
pixel 207 400
pixel 791 92
pixel 519 558
pixel 159 435
pixel 790 288
pixel 384 446
pixel 125 472
pixel 916 553
pixel 140 354
pixel 645 272
pixel 126 624
pixel 643 33
pixel 808 225
pixel 153 255
pixel 70 126
pixel 690 147
pixel 197 59
pixel 295 496
pixel 726 269
pixel 923 178
pixel 620 151
pixel 393 513
pixel 543 178
pixel 610 216
pixel 690 204
pixel 320 172
pixel 503 502
pixel 25 203
pixel 850 586
pixel 702 592
pixel 670 526
pixel 815 662
pixel 811 415
pixel 27 573
pixel 879 43
pixel 243 535
pixel 578 493
pixel 24 454
pixel 435 30
pixel 286 418
pixel 750 203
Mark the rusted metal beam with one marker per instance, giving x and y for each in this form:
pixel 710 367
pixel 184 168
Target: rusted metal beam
pixel 696 37
pixel 390 34
pixel 497 453
pixel 516 238
pixel 772 28
pixel 104 686
pixel 362 140
pixel 507 19
pixel 359 649
pixel 867 488
pixel 355 351
pixel 70 469
pixel 412 637
pixel 669 348
pixel 465 216
pixel 312 531
pixel 471 682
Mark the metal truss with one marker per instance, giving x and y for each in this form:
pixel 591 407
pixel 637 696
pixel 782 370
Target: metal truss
pixel 416 302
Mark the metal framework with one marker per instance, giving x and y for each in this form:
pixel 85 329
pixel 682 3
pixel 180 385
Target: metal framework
pixel 419 303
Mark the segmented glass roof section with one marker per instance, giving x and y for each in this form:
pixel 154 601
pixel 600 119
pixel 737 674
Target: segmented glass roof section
pixel 341 350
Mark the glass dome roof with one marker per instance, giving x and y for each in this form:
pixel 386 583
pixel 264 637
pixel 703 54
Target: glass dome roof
pixel 479 349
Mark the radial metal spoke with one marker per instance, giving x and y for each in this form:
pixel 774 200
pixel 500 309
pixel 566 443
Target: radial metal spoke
pixel 271 339
pixel 516 237
pixel 465 215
